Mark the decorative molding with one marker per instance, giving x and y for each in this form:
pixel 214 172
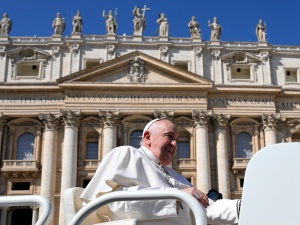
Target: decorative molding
pixel 49 120
pixel 109 118
pixel 201 118
pixel 272 121
pixel 164 114
pixel 137 73
pixel 70 118
pixel 221 120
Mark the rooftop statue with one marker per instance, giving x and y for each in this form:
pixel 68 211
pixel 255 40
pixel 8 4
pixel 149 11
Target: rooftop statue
pixel 59 24
pixel 194 26
pixel 261 31
pixel 139 21
pixel 111 22
pixel 216 30
pixel 77 23
pixel 164 25
pixel 5 25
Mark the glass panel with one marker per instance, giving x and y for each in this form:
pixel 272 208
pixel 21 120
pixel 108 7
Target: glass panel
pixel 183 149
pixel 91 150
pixel 25 147
pixel 244 145
pixel 135 138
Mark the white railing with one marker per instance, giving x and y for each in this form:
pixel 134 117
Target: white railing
pixel 30 200
pixel 197 209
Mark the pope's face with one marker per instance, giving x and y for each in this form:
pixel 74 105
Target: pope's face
pixel 163 141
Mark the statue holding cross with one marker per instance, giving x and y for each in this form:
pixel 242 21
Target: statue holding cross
pixel 139 21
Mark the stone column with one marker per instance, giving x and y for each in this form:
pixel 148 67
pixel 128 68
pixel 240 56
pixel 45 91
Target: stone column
pixel 269 126
pixel 3 215
pixel 2 124
pixel 201 121
pixel 34 214
pixel 69 158
pixel 48 180
pixel 109 120
pixel 221 122
pixel 9 216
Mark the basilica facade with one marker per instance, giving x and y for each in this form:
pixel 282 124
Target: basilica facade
pixel 65 102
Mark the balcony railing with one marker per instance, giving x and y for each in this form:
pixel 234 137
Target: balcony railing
pixel 240 165
pixel 20 168
pixel 185 163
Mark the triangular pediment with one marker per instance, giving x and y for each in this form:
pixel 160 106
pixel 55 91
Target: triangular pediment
pixel 240 57
pixel 135 68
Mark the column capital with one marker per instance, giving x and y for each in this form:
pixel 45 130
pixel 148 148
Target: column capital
pixel 271 121
pixel 164 114
pixel 70 118
pixel 3 120
pixel 109 118
pixel 49 120
pixel 201 118
pixel 221 120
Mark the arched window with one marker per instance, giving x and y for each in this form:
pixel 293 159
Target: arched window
pixel 183 145
pixel 244 145
pixel 92 146
pixel 135 138
pixel 25 149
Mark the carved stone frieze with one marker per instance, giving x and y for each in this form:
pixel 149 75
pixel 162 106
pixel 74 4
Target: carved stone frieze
pixel 164 114
pixel 74 48
pixel 198 51
pixel 109 117
pixel 164 50
pixel 272 121
pixel 70 118
pixel 202 118
pixel 137 73
pixel 27 54
pixel 55 51
pixel 221 120
pixel 50 121
pixel 110 49
pixel 3 120
pixel 216 54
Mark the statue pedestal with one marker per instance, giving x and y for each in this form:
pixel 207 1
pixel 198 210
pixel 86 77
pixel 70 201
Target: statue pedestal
pixel 262 43
pixel 197 39
pixel 56 37
pixel 216 42
pixel 111 36
pixel 163 38
pixel 137 37
pixel 76 35
pixel 4 38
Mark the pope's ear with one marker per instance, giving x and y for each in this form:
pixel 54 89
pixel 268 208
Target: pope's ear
pixel 146 135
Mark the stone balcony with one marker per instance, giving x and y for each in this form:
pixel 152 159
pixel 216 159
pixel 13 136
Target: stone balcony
pixel 184 164
pixel 20 168
pixel 240 165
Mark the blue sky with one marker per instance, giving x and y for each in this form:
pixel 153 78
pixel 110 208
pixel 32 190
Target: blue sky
pixel 237 17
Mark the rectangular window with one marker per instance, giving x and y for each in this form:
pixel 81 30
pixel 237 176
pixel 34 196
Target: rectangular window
pixel 28 70
pixel 240 73
pixel 20 186
pixel 92 150
pixel 291 76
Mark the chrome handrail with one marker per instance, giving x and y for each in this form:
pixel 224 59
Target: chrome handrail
pixel 30 200
pixel 195 206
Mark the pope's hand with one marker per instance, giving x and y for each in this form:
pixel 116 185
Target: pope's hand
pixel 199 195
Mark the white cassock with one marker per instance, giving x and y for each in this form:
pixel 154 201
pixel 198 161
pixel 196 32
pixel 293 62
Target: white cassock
pixel 127 168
